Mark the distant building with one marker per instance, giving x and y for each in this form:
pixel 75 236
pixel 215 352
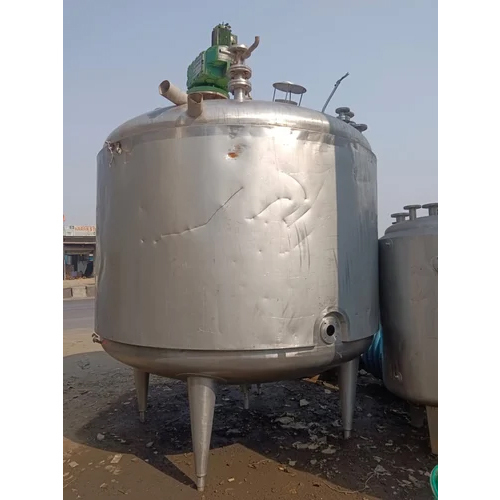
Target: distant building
pixel 78 251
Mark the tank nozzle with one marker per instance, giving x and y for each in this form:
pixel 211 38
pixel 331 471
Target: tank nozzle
pixel 361 127
pixel 195 105
pixel 432 207
pixel 172 93
pixel 400 217
pixel 344 113
pixel 412 209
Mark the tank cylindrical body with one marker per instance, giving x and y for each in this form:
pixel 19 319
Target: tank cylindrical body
pixel 240 245
pixel 409 309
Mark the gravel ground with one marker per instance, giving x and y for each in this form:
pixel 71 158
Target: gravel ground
pixel 288 445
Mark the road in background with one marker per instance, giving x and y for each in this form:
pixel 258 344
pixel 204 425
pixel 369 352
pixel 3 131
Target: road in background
pixel 78 315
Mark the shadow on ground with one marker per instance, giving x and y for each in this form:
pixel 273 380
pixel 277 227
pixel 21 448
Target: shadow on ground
pixel 386 457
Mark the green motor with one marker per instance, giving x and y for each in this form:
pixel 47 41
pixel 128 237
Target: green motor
pixel 208 72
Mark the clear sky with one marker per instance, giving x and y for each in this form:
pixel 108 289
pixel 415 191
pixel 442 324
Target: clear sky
pixel 116 52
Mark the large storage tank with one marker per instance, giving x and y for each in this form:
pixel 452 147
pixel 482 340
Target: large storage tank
pixel 236 243
pixel 409 309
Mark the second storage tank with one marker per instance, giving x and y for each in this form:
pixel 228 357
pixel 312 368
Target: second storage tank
pixel 409 309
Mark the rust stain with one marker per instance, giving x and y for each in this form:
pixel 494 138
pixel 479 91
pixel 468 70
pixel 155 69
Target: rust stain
pixel 233 153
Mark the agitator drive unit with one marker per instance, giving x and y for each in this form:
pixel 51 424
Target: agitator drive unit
pixel 409 310
pixel 236 239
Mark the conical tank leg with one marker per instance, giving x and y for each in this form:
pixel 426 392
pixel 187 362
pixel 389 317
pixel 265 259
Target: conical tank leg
pixel 348 377
pixel 417 416
pixel 201 392
pixel 245 389
pixel 141 388
pixel 432 422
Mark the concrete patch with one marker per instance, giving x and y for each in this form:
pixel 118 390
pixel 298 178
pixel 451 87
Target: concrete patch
pixel 79 292
pixel 78 282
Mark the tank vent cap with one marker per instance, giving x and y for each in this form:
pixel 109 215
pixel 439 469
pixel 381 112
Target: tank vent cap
pixel 289 89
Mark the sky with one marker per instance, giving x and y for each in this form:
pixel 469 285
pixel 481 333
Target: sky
pixel 116 52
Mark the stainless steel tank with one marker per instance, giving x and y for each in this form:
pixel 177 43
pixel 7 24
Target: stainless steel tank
pixel 409 309
pixel 236 243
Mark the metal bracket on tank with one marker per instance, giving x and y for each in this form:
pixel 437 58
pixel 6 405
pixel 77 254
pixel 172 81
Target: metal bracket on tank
pixel 113 147
pixel 96 339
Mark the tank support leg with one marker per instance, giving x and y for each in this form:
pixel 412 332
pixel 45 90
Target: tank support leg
pixel 348 377
pixel 246 396
pixel 201 392
pixel 259 389
pixel 432 421
pixel 141 388
pixel 417 416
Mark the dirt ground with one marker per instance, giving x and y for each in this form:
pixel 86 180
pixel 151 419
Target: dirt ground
pixel 276 450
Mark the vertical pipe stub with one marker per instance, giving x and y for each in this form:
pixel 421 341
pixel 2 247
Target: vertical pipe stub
pixel 412 209
pixel 432 207
pixel 400 216
pixel 345 114
pixel 195 105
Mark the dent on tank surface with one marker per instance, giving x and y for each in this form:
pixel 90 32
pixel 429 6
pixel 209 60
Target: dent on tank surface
pixel 237 239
